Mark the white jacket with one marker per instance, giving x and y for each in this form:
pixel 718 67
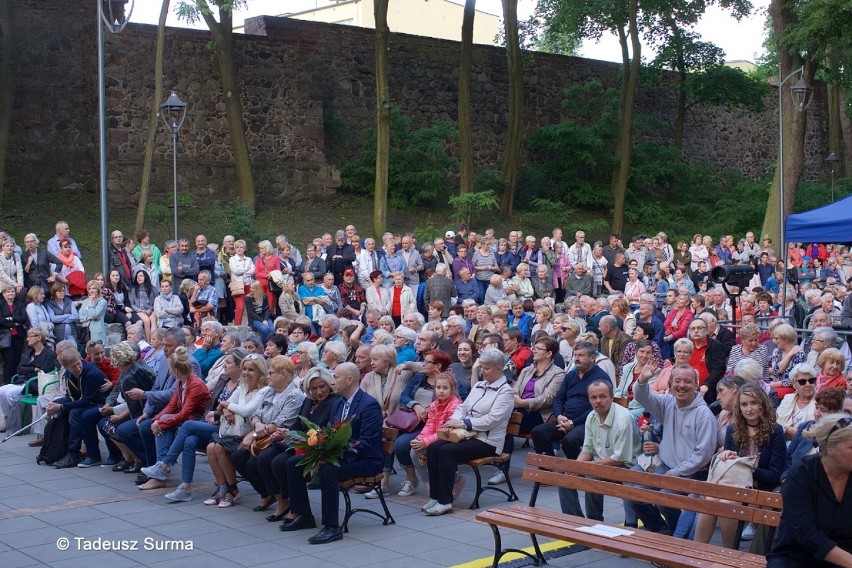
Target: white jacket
pixel 488 407
pixel 407 301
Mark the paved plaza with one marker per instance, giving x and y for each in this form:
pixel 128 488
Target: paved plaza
pixel 43 509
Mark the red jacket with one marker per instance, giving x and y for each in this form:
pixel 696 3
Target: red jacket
pixel 439 412
pixel 107 368
pixel 195 404
pixel 682 326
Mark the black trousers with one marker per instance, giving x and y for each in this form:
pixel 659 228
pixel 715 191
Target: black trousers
pixel 545 435
pixel 442 461
pixel 246 465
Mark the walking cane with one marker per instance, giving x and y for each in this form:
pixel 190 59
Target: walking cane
pixel 12 435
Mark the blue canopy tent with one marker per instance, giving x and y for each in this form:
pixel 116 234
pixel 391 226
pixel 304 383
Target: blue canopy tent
pixel 830 223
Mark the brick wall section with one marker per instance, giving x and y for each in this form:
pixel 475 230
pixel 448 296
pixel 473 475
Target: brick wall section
pixel 295 75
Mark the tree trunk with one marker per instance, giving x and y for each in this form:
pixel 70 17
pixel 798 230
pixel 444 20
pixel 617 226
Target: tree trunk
pixel 835 133
pixel 153 119
pixel 383 105
pixel 7 84
pixel 623 149
pixel 846 130
pixel 794 126
pixel 681 114
pixel 224 36
pixel 512 152
pixel 465 136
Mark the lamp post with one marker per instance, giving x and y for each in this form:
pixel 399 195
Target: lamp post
pixel 173 112
pixel 801 94
pixel 832 161
pixel 115 23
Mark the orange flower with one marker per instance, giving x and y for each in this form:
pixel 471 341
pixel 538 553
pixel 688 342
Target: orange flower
pixel 312 440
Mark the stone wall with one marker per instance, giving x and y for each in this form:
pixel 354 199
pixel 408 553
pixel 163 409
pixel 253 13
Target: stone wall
pixel 297 77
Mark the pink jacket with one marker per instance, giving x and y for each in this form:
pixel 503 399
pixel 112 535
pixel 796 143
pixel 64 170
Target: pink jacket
pixel 439 412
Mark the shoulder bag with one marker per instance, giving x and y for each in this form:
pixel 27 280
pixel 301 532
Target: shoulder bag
pixel 736 472
pixel 237 286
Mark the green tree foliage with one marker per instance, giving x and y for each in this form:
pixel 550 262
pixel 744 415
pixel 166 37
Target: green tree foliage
pixel 420 163
pixel 469 204
pixel 727 87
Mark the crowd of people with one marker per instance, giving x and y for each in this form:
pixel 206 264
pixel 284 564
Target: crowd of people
pixel 624 356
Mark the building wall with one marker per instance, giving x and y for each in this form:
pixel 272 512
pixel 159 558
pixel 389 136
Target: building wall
pixel 297 78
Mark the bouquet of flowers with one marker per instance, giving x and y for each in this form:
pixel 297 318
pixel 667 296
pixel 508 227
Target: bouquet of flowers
pixel 321 445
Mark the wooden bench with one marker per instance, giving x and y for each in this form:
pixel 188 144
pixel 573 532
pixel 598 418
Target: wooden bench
pixel 743 505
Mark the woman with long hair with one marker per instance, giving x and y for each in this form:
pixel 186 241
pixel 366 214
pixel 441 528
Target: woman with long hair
pixel 753 433
pixel 117 298
pixel 257 309
pixel 142 297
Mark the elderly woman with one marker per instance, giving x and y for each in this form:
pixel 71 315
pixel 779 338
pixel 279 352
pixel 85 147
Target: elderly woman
pixel 541 283
pixel 307 357
pixel 92 311
pixel 798 407
pixel 786 356
pixel 242 269
pixel 483 321
pixel 400 298
pixel 272 461
pixel 750 348
pixel 37 357
pixel 832 365
pixel 63 314
pixel 37 314
pixel 333 354
pixel 677 323
pixel 485 413
pixel 568 331
pixel 257 309
pixel 278 412
pixel 195 434
pixel 535 390
pixel 522 282
pixel 236 412
pixel 417 396
pixel 403 341
pixel 683 349
pixel 644 354
pixel 543 321
pixel 828 401
pixel 13 321
pixel 289 302
pixel 10 265
pixel 264 264
pixel 620 309
pixel 817 495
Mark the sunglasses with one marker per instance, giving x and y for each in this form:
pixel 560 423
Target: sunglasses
pixel 804 382
pixel 842 423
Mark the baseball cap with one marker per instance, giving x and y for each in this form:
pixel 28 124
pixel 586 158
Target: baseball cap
pixel 349 271
pixel 449 235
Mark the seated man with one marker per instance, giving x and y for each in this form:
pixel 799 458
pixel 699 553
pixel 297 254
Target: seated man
pixel 83 392
pixel 204 299
pixel 689 436
pixel 567 423
pixel 611 438
pixel 364 458
pixel 466 287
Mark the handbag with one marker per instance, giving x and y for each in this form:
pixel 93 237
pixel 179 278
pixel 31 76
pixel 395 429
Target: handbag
pixel 84 334
pixel 736 472
pixel 5 339
pixel 404 420
pixel 455 434
pixel 237 286
pixel 260 444
pixel 45 379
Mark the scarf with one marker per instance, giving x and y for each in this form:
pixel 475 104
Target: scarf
pixel 67 260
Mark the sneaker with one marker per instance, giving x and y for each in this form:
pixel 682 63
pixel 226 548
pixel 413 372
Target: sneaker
pixel 159 471
pixel 407 490
pixel 498 478
pixel 429 504
pixel 748 532
pixel 179 494
pixel 89 462
pixel 70 460
pixel 439 509
pixel 458 485
pixel 109 462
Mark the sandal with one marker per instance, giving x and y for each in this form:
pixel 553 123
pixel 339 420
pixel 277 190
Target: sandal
pixel 217 496
pixel 231 496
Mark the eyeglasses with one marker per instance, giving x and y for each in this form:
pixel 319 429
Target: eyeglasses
pixel 93 343
pixel 429 361
pixel 842 423
pixel 803 382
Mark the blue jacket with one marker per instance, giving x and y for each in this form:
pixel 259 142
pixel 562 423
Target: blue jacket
pixel 770 464
pixel 85 391
pixel 467 291
pixel 366 418
pixel 524 323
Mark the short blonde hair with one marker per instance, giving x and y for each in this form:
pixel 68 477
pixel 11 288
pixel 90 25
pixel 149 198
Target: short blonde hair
pixel 784 331
pixel 832 354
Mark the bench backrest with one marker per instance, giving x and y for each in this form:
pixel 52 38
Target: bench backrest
pixel 749 505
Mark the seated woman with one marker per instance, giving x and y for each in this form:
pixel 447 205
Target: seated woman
pixel 92 312
pixel 462 371
pixel 194 434
pixel 828 401
pixel 784 359
pixel 141 300
pixel 278 412
pixel 749 348
pixel 543 321
pixel 63 314
pixel 683 350
pixel 417 397
pixel 188 403
pixel 234 426
pixel 815 524
pixel 37 357
pixel 258 311
pixel 753 432
pixel 832 365
pixel 272 461
pixel 630 373
pixel 798 407
pixel 534 391
pixel 486 413
pixel 333 354
pixel 275 345
pixel 403 341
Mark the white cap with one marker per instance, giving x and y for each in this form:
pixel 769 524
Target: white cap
pixel 449 235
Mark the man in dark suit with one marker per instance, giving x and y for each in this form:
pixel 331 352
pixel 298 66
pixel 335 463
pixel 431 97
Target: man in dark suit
pixel 340 256
pixel 364 458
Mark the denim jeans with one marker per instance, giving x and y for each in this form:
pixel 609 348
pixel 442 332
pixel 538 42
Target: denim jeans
pixel 191 435
pixel 402 447
pixel 264 328
pixel 656 518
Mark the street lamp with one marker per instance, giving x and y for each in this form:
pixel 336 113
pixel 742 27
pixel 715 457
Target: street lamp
pixel 801 94
pixel 115 22
pixel 173 112
pixel 831 161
